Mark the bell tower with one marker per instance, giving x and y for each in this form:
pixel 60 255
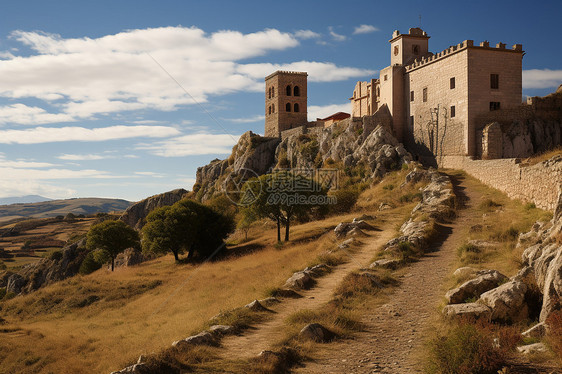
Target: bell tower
pixel 285 101
pixel 405 48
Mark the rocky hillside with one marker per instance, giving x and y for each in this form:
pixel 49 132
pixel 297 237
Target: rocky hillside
pixel 135 215
pixel 355 146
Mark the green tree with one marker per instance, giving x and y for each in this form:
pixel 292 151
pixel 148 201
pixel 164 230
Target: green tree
pixel 186 226
pixel 282 197
pixel 109 238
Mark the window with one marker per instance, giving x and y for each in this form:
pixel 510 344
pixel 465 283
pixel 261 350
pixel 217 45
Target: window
pixel 296 91
pixel 296 108
pixel 288 90
pixel 273 108
pixel 411 122
pixel 425 95
pixel 288 107
pixel 385 77
pixel 272 91
pixel 453 111
pixel 378 91
pixel 269 109
pixel 411 95
pixel 494 81
pixel 452 83
pixel 395 50
pixel 269 93
pixel 416 49
pixel 494 105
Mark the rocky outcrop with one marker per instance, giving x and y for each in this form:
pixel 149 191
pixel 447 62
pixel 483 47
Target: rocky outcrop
pixel 203 338
pixel 129 257
pixel 472 311
pixel 487 280
pixel 300 280
pixel 136 214
pixel 507 302
pixel 46 271
pixel 352 143
pixel 347 228
pixel 316 332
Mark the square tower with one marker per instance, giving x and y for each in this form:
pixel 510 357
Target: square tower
pixel 285 102
pixel 405 48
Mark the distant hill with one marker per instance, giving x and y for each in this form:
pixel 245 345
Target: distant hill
pixel 23 199
pixel 55 208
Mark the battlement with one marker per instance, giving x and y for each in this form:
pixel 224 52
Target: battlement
pixel 425 60
pixel 413 32
pixel 286 72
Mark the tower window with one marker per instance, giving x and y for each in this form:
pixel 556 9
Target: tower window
pixel 385 77
pixel 296 108
pixel 425 95
pixel 416 49
pixel 452 83
pixel 296 91
pixel 269 93
pixel 288 90
pixel 411 95
pixel 288 107
pixel 273 108
pixel 494 105
pixel 453 111
pixel 272 91
pixel 269 109
pixel 411 122
pixel 395 50
pixel 494 81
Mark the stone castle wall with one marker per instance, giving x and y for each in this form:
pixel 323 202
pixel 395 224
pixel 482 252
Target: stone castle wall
pixel 540 183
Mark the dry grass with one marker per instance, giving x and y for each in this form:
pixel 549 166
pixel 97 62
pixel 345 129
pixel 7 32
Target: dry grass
pixel 543 156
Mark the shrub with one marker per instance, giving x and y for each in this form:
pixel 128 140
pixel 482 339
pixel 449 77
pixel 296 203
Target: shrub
pixel 388 187
pixel 409 197
pixel 56 255
pixel 89 264
pixel 407 252
pixel 465 349
pixel 345 200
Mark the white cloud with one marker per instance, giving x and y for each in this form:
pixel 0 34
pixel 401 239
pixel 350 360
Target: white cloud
pixel 194 144
pixel 317 111
pixel 337 37
pixel 545 78
pixel 24 164
pixel 256 118
pixel 26 115
pixel 89 157
pixel 317 71
pixel 63 134
pixel 9 188
pixel 306 34
pixel 365 29
pixel 149 174
pixel 6 55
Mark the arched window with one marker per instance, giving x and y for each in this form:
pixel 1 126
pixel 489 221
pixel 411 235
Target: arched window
pixel 273 108
pixel 296 108
pixel 269 109
pixel 289 90
pixel 288 107
pixel 296 91
pixel 269 93
pixel 272 91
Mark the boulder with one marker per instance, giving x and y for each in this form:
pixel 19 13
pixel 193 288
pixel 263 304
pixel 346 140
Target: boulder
pixel 129 257
pixel 203 338
pixel 347 243
pixel 388 263
pixel 384 206
pixel 532 348
pixel 255 306
pixel 475 287
pixel 507 302
pixel 316 332
pixel 465 272
pixel 472 311
pixel 269 301
pixel 317 270
pixel 300 280
pixel 537 331
pixel 360 224
pixel 357 232
pixel 342 229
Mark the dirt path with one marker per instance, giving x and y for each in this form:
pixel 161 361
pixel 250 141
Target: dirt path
pixel 395 332
pixel 255 340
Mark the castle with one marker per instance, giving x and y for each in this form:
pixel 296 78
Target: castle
pixel 438 103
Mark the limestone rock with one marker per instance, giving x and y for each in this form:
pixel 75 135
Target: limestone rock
pixel 203 338
pixel 357 232
pixel 507 302
pixel 15 284
pixel 317 270
pixel 532 348
pixel 135 215
pixel 268 301
pixel 222 329
pixel 475 287
pixel 255 306
pixel 465 272
pixel 388 263
pixel 316 332
pixel 384 206
pixel 300 280
pixel 469 311
pixel 537 331
pixel 347 243
pixel 129 257
pixel 287 293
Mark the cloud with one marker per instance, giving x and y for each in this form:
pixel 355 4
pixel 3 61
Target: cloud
pixel 23 164
pixel 317 71
pixel 50 134
pixel 6 55
pixel 194 144
pixel 317 111
pixel 26 115
pixel 337 37
pixel 545 78
pixel 10 188
pixel 365 29
pixel 256 118
pixel 306 34
pixel 89 157
pixel 149 174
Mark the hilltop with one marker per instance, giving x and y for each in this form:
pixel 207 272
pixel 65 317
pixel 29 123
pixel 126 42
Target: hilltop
pixel 55 208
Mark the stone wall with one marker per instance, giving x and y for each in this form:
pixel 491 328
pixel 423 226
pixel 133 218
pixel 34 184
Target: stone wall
pixel 540 183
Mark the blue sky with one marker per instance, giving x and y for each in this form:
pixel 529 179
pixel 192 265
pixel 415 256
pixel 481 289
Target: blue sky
pixel 90 96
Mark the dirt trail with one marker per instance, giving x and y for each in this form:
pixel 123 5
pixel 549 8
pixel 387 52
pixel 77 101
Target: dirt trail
pixel 395 332
pixel 262 336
